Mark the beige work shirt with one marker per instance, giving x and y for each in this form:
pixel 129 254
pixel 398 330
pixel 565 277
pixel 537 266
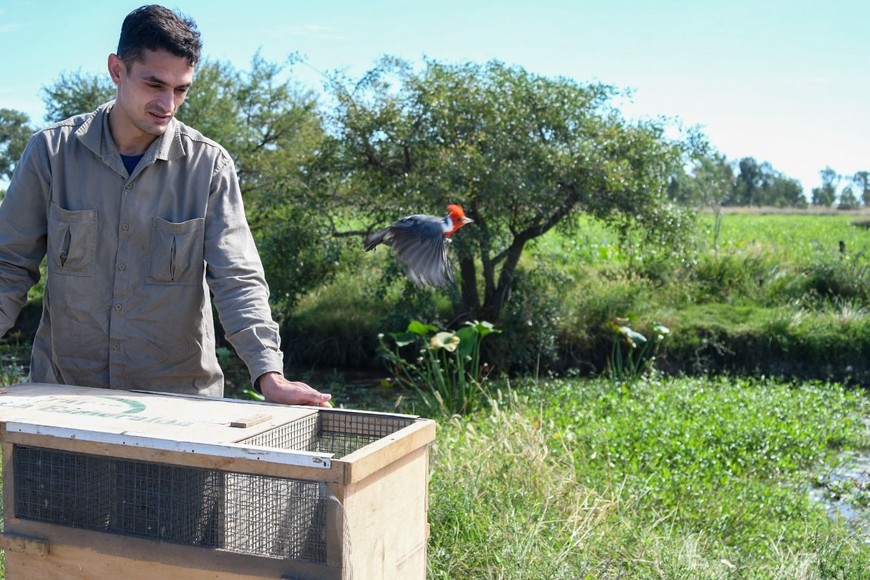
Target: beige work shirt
pixel 131 260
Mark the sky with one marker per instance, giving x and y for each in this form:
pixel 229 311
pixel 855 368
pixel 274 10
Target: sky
pixel 783 81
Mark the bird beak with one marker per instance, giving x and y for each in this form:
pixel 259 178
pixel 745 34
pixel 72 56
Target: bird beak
pixel 466 220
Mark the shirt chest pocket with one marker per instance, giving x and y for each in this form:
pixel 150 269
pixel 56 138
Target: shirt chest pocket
pixel 72 241
pixel 177 252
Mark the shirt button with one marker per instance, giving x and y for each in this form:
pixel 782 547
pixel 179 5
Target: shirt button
pixel 122 267
pixel 128 187
pixel 125 227
pixel 116 346
pixel 117 307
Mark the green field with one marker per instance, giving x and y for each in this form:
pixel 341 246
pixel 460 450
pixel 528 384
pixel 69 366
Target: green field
pixel 687 478
pixel 794 236
pixel 702 464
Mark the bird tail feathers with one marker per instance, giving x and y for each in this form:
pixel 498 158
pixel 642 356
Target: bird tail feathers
pixel 375 238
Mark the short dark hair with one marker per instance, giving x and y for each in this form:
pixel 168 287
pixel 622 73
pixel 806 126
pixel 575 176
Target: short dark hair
pixel 154 27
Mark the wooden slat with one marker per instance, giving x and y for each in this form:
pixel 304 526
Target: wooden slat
pixel 386 516
pixel 335 534
pixel 249 421
pixel 225 450
pixel 35 546
pixel 8 476
pixel 77 553
pixel 141 414
pixel 375 456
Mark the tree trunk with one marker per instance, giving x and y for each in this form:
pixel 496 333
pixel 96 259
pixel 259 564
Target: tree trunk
pixel 499 293
pixel 468 308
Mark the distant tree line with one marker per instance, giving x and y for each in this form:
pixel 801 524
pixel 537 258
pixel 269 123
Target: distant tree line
pixel 714 181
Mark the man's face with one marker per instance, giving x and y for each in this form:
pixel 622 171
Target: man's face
pixel 149 94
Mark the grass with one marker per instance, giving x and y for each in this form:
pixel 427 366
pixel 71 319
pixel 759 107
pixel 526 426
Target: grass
pixel 659 478
pixel 799 301
pixel 704 477
pixel 779 296
pixel 677 478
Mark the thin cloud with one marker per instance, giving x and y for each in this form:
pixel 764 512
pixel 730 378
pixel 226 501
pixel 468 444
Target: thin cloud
pixel 313 31
pixel 8 27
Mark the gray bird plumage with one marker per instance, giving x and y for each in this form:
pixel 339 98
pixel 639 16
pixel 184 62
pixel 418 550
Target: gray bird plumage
pixel 420 245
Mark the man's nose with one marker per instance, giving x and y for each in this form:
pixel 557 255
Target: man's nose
pixel 167 100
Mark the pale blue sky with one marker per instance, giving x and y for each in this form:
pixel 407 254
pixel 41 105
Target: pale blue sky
pixel 784 81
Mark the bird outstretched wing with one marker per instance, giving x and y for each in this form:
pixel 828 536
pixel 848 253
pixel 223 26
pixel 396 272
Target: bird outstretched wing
pixel 420 246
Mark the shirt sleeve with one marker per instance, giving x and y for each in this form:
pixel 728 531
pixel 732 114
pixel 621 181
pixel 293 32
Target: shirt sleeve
pixel 235 276
pixel 23 225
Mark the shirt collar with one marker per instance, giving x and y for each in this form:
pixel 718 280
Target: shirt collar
pixel 94 133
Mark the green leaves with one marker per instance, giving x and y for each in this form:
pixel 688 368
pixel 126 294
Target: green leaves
pixel 76 93
pixel 415 330
pixel 726 457
pixel 272 129
pixel 15 130
pixel 632 364
pixel 447 373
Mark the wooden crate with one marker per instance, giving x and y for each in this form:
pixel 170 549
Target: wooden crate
pixel 106 483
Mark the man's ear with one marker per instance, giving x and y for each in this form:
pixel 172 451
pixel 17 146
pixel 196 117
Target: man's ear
pixel 115 66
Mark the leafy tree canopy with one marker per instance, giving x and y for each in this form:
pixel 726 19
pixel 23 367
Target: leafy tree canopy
pixel 15 130
pixel 523 153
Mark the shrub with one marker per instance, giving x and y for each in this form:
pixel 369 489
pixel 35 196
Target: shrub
pixel 445 369
pixel 836 279
pixel 530 322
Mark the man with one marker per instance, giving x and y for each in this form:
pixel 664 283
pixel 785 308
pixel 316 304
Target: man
pixel 139 217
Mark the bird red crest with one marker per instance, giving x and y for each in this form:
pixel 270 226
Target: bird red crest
pixel 456 212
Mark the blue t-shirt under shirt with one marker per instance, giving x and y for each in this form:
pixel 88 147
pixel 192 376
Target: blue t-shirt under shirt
pixel 131 161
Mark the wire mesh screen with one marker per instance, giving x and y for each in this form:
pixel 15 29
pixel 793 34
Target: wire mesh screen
pixel 337 432
pixel 244 513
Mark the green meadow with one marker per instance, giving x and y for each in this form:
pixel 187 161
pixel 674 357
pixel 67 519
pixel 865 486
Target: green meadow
pixel 720 449
pixel 726 450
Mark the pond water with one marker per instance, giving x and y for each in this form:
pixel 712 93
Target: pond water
pixel 844 492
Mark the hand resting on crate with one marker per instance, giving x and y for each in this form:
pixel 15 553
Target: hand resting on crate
pixel 278 389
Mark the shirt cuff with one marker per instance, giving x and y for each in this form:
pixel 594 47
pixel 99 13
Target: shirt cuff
pixel 257 381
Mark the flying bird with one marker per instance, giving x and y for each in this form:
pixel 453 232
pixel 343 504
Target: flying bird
pixel 420 242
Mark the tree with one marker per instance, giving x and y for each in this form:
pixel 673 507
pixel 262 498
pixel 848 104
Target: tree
pixel 755 184
pixel 710 183
pixel 272 128
pixel 826 195
pixel 15 130
pixel 750 180
pixel 73 93
pixel 76 93
pixel 847 198
pixel 861 183
pixel 759 184
pixel 785 192
pixel 523 153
